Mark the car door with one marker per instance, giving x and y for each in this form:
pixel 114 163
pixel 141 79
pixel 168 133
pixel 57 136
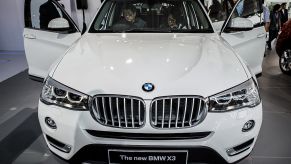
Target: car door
pixel 249 44
pixel 45 39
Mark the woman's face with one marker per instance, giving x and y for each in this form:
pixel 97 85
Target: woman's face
pixel 129 15
pixel 171 21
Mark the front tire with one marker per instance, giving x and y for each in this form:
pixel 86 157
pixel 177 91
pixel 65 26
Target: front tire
pixel 285 61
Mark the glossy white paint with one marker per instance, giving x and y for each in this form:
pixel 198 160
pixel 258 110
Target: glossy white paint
pixel 178 64
pixel 241 23
pixel 42 48
pixel 226 128
pixel 174 63
pixel 250 45
pixel 58 23
pixel 120 63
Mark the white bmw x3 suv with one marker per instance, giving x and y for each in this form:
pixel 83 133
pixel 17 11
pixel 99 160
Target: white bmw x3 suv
pixel 150 81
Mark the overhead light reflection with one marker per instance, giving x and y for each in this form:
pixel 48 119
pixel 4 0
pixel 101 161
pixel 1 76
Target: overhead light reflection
pixel 128 61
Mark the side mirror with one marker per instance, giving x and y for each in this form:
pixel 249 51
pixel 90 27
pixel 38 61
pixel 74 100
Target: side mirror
pixel 239 24
pixel 59 24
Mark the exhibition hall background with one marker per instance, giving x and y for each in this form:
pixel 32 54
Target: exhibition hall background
pixel 12 23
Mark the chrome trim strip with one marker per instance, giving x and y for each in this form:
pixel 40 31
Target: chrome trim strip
pixel 170 118
pixel 199 113
pixel 156 113
pixel 118 112
pixel 97 109
pixel 105 114
pixel 60 148
pixel 232 151
pixel 110 106
pixel 185 110
pixel 177 115
pixel 125 112
pixel 139 119
pixel 238 152
pixel 163 117
pixel 192 109
pixel 132 118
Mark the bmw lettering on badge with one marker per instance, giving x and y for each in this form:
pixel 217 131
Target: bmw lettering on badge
pixel 148 156
pixel 148 87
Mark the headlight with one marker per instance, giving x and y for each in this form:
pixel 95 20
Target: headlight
pixel 56 93
pixel 243 95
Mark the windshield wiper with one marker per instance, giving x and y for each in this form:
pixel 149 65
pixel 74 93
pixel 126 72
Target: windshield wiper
pixel 104 31
pixel 147 30
pixel 169 30
pixel 191 31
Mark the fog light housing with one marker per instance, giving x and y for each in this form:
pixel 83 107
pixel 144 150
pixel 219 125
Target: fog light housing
pixel 50 123
pixel 240 148
pixel 58 145
pixel 248 126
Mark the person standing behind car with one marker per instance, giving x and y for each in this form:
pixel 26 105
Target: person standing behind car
pixel 266 18
pixel 275 24
pixel 284 13
pixel 215 11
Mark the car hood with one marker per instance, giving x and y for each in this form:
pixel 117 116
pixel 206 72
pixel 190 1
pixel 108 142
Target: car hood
pixel 177 64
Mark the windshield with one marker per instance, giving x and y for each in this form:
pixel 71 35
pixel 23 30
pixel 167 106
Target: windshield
pixel 151 16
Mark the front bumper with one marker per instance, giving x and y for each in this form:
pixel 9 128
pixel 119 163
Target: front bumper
pixel 225 128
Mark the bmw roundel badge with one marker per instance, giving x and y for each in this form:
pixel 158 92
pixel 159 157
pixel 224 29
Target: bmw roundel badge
pixel 148 87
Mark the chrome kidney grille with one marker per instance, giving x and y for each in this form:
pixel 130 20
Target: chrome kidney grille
pixel 118 111
pixel 177 112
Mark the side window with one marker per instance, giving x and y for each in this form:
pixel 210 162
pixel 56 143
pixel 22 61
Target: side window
pixel 246 8
pixel 39 13
pixel 103 17
pixel 218 10
pixel 197 16
pixel 249 9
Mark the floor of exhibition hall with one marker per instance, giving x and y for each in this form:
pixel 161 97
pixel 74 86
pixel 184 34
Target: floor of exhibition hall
pixel 21 140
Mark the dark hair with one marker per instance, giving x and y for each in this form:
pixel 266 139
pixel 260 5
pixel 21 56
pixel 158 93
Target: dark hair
pixel 276 7
pixel 283 4
pixel 174 13
pixel 129 7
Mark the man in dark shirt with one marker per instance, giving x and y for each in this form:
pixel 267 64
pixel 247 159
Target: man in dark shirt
pixel 275 24
pixel 284 13
pixel 129 19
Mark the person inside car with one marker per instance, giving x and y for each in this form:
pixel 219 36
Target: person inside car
pixel 173 21
pixel 129 19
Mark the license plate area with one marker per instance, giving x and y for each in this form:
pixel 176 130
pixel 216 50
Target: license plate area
pixel 116 156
